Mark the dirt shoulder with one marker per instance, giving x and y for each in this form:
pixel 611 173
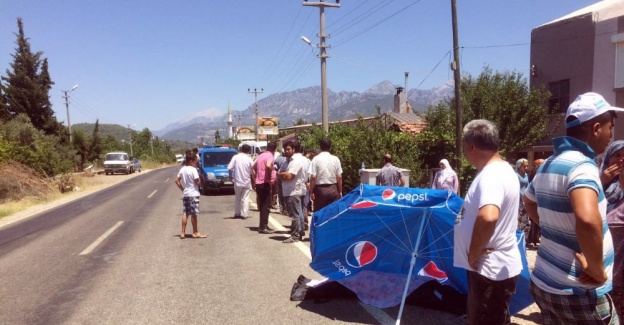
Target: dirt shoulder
pixel 85 185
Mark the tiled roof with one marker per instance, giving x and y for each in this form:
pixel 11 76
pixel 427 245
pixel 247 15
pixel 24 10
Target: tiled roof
pixel 409 123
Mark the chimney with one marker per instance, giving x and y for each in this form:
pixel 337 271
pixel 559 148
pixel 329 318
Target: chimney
pixel 400 101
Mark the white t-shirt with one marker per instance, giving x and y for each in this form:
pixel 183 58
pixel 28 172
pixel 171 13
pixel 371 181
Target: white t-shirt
pixel 295 186
pixel 188 175
pixel 240 165
pixel 497 184
pixel 325 167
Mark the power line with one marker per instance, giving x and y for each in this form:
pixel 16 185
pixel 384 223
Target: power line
pixel 375 25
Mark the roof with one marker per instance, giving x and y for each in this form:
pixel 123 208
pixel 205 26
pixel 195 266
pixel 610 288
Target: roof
pixel 409 123
pixel 596 7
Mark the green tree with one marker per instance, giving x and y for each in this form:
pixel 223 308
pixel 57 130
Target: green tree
pixel 26 87
pixel 95 144
pixel 347 145
pixel 503 98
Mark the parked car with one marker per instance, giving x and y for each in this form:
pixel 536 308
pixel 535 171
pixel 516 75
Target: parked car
pixel 214 161
pixel 179 158
pixel 136 165
pixel 117 162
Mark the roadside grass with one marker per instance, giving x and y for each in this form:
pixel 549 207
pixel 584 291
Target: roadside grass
pixel 23 188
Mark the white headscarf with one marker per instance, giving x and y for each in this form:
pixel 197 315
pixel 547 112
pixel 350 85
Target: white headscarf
pixel 446 172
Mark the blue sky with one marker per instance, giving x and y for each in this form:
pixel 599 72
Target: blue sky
pixel 149 63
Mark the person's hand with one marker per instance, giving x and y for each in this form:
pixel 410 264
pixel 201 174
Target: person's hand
pixel 472 260
pixel 592 276
pixel 610 173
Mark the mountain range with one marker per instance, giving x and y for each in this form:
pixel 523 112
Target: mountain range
pixel 305 104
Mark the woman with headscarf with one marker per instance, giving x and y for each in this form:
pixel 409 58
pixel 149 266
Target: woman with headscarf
pixel 534 229
pixel 609 171
pixel 522 166
pixel 445 178
pixel 612 179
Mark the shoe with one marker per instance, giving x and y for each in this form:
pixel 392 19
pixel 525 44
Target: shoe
pixel 238 217
pixel 270 229
pixel 266 231
pixel 245 217
pixel 291 240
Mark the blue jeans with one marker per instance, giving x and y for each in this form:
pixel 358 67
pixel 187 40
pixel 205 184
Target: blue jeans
pixel 293 206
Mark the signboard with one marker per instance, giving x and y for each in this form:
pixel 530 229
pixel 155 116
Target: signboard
pixel 245 133
pixel 268 125
pixel 268 130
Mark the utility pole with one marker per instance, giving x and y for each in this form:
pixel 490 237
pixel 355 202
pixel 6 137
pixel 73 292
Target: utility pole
pixel 130 128
pixel 67 109
pixel 323 56
pixel 152 145
pixel 458 109
pixel 256 92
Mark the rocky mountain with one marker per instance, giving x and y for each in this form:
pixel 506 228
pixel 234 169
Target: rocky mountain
pixel 305 104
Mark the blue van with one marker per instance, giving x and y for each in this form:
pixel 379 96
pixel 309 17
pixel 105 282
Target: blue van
pixel 214 160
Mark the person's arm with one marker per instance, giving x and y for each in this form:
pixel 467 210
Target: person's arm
pixel 531 208
pixel 584 203
pixel 178 183
pixel 312 184
pixel 378 180
pixel 402 181
pixel 268 171
pixel 339 182
pixel 254 170
pixel 455 183
pixel 484 227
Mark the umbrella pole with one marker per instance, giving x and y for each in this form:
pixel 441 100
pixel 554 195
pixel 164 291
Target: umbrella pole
pixel 411 269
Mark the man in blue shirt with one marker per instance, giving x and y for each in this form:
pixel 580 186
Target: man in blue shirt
pixel 573 269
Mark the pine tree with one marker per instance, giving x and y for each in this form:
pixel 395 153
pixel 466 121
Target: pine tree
pixel 26 88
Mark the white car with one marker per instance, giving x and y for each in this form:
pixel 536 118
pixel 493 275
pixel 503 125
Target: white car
pixel 117 162
pixel 179 158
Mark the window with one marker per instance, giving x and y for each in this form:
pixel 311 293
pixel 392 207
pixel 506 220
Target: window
pixel 560 96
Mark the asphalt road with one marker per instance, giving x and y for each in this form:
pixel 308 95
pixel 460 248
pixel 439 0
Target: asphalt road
pixel 115 257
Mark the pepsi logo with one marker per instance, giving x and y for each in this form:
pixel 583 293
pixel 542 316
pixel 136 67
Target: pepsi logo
pixel 363 205
pixel 431 270
pixel 388 194
pixel 361 254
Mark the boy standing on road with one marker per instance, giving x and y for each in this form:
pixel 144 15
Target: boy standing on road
pixel 188 182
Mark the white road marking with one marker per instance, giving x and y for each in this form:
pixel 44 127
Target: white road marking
pixel 150 196
pixel 167 180
pixel 101 239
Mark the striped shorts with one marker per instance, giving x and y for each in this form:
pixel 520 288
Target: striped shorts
pixel 573 309
pixel 191 205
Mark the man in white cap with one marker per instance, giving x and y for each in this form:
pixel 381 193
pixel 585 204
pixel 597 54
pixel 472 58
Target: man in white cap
pixel 573 269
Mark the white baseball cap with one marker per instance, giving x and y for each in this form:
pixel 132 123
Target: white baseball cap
pixel 587 106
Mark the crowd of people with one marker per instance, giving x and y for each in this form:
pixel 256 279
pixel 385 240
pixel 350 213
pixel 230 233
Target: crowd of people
pixel 571 209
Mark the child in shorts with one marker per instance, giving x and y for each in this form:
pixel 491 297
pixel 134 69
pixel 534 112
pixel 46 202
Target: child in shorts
pixel 188 182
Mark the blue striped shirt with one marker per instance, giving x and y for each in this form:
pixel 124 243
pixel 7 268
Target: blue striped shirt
pixel 571 167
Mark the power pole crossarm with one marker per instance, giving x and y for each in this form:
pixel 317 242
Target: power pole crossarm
pixel 256 92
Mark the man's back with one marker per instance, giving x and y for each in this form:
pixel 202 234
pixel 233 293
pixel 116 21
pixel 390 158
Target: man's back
pixel 325 167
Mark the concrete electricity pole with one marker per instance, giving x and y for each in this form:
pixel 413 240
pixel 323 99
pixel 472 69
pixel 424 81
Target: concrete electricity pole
pixel 130 128
pixel 67 109
pixel 458 109
pixel 256 92
pixel 323 56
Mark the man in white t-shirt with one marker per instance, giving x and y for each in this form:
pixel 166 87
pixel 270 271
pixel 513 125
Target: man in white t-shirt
pixel 485 236
pixel 240 174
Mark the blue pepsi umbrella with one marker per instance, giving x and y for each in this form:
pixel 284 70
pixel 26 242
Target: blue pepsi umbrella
pixel 383 242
